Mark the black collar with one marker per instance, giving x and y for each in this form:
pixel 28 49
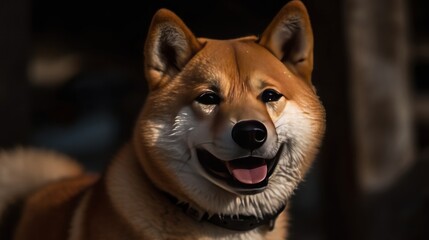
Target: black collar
pixel 236 223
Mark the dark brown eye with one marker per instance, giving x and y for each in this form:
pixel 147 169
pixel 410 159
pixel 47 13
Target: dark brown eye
pixel 270 95
pixel 208 98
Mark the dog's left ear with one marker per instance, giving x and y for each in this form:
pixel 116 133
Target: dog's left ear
pixel 290 38
pixel 169 46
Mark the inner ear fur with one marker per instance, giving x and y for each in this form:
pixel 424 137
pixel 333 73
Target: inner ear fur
pixel 289 37
pixel 169 46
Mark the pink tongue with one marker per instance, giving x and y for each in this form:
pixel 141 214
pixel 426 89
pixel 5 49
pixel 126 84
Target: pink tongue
pixel 249 175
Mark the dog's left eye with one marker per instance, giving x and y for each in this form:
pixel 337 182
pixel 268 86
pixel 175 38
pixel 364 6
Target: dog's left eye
pixel 270 95
pixel 208 98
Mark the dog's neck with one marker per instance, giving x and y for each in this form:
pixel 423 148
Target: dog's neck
pixel 131 193
pixel 230 222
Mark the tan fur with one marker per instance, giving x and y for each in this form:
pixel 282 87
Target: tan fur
pixel 129 201
pixel 24 170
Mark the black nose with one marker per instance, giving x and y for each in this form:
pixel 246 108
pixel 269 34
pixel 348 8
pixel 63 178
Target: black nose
pixel 249 134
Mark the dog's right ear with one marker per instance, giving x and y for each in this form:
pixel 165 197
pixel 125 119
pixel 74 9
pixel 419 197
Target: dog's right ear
pixel 169 46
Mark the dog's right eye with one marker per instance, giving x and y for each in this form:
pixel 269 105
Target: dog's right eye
pixel 270 95
pixel 208 98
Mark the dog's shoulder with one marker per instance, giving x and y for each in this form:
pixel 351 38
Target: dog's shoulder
pixel 52 207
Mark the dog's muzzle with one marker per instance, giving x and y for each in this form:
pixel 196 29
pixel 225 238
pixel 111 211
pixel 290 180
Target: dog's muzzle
pixel 248 175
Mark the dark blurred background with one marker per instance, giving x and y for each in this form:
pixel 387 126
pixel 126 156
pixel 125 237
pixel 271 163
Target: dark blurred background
pixel 71 80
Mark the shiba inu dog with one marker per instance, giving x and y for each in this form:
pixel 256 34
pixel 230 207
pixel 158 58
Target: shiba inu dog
pixel 228 130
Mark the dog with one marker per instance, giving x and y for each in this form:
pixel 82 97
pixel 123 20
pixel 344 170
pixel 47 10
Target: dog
pixel 228 130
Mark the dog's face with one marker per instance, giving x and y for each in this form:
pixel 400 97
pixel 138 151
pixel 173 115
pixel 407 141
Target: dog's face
pixel 230 126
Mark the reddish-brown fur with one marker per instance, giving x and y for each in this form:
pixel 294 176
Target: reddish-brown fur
pixel 48 212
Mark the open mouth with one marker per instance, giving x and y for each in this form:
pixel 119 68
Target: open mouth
pixel 248 175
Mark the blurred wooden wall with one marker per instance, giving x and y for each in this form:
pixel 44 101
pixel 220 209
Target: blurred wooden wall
pixel 379 71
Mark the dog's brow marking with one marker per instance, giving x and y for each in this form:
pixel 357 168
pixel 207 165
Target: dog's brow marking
pixel 263 83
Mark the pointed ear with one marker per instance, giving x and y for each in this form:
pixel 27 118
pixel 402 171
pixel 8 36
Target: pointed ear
pixel 290 38
pixel 169 46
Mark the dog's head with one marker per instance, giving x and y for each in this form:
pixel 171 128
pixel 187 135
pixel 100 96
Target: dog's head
pixel 230 126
